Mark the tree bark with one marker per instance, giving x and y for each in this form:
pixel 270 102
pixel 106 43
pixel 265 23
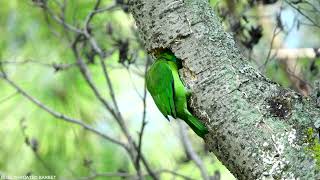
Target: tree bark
pixel 258 129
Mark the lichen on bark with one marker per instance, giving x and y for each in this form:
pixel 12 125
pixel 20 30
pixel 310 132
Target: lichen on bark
pixel 314 145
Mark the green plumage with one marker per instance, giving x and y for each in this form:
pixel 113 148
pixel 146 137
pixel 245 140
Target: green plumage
pixel 169 93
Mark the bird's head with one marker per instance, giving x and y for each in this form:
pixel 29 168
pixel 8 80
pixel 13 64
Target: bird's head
pixel 167 55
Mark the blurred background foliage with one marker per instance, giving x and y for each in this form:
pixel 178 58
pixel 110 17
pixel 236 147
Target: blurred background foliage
pixel 36 53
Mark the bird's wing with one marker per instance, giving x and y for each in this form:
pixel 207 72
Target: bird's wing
pixel 161 87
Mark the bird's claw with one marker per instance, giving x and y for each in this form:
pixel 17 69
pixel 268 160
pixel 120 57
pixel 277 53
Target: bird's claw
pixel 188 93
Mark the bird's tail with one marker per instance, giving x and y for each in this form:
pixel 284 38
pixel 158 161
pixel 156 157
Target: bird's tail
pixel 195 124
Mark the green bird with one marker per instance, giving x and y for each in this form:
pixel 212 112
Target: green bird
pixel 169 93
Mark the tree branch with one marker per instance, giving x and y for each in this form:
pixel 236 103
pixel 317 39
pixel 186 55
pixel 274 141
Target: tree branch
pixel 256 128
pixel 190 152
pixel 59 115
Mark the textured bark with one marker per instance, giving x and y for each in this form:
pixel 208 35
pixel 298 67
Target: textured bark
pixel 257 128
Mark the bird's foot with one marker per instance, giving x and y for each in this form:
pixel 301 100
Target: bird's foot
pixel 188 93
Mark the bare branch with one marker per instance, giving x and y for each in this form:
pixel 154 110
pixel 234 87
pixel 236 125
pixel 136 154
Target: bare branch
pixel 274 35
pixel 190 151
pixel 33 144
pixel 8 97
pixel 131 176
pixel 56 66
pixel 59 115
pixel 298 9
pixel 62 21
pixel 97 175
pixel 144 122
pixel 174 173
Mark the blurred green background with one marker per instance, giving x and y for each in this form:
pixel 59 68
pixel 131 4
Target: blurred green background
pixel 34 142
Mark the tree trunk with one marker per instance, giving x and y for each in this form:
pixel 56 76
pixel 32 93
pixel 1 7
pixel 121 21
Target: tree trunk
pixel 257 128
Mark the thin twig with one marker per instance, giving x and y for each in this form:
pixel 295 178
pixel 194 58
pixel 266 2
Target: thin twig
pixel 174 173
pixel 86 74
pixel 190 152
pixel 63 22
pixel 274 34
pixel 97 175
pixel 315 24
pixel 8 97
pixel 144 122
pixel 130 176
pixel 33 145
pixel 59 115
pixel 55 66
